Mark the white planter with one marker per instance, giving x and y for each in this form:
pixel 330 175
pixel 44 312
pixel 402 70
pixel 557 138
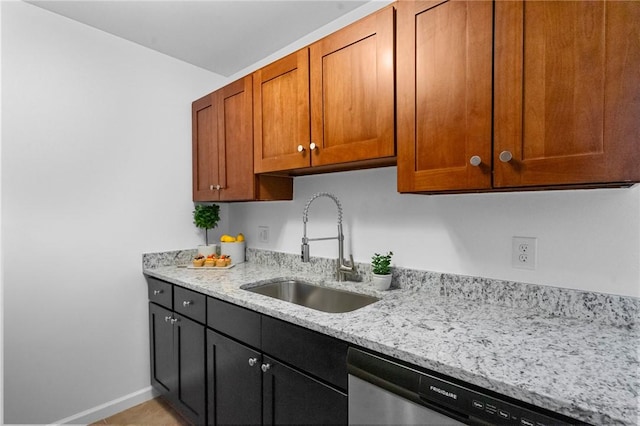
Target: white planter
pixel 207 250
pixel 381 282
pixel 234 250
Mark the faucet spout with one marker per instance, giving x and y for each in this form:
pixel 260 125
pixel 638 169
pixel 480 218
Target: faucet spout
pixel 342 268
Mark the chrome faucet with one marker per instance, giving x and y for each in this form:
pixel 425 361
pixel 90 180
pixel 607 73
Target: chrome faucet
pixel 342 269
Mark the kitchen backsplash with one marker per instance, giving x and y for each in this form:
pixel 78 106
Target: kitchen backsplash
pixel 622 311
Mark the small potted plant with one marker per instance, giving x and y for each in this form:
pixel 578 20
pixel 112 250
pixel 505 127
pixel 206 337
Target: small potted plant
pixel 381 272
pixel 206 216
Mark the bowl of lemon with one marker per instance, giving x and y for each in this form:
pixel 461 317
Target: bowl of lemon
pixel 233 246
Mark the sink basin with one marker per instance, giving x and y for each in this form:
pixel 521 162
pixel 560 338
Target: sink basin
pixel 312 296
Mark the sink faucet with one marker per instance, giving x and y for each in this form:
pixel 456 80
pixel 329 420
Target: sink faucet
pixel 342 269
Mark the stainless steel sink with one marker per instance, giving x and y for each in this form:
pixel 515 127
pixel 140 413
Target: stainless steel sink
pixel 312 296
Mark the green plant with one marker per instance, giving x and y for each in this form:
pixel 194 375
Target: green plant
pixel 206 216
pixel 381 263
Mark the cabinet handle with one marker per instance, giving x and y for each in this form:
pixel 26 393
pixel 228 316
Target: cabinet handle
pixel 265 367
pixel 186 303
pixel 167 319
pixel 218 187
pixel 174 320
pixel 505 156
pixel 252 361
pixel 475 160
pixel 300 148
pixel 210 187
pixel 312 146
pixel 157 292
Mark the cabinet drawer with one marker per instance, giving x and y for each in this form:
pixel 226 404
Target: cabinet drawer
pixel 190 303
pixel 160 292
pixel 315 353
pixel 234 321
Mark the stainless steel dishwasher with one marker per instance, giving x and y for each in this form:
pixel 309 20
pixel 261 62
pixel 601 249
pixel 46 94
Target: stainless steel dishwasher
pixel 384 392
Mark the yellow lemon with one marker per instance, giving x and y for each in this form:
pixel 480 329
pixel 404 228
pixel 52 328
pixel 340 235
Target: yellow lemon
pixel 224 238
pixel 231 239
pixel 240 237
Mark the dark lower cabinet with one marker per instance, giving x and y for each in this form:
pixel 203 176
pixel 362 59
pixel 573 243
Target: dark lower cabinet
pixel 248 387
pixel 293 398
pixel 242 367
pixel 235 382
pixel 178 361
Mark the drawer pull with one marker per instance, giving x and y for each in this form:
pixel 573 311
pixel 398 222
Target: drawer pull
pixel 265 367
pixel 186 303
pixel 167 319
pixel 157 292
pixel 174 320
pixel 252 361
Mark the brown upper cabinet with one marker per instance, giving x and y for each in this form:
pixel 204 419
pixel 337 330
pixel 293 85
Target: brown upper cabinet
pixel 566 94
pixel 444 95
pixel 330 105
pixel 222 143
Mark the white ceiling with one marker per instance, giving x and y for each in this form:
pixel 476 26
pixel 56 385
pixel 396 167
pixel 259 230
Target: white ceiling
pixel 222 36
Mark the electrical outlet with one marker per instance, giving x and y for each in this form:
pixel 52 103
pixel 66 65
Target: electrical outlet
pixel 523 252
pixel 263 234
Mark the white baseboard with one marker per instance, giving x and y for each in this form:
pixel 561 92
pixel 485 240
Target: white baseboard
pixel 109 408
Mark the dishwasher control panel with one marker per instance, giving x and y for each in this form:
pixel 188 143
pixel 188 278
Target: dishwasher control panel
pixel 476 405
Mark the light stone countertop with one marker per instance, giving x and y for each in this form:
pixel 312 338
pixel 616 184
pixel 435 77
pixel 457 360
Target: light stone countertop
pixel 586 370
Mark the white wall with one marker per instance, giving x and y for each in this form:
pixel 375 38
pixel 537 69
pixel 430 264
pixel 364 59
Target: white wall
pixel 587 239
pixel 96 170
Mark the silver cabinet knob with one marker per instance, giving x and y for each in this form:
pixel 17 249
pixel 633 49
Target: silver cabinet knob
pixel 300 148
pixel 157 292
pixel 210 187
pixel 186 303
pixel 218 187
pixel 312 146
pixel 265 367
pixel 252 361
pixel 167 319
pixel 174 320
pixel 475 160
pixel 505 156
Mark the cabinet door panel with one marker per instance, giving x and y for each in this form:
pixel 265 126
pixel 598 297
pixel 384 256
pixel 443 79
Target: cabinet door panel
pixel 281 114
pixel 235 136
pixel 190 359
pixel 235 386
pixel 205 149
pixel 163 372
pixel 567 92
pixel 352 92
pixel 291 397
pixel 444 95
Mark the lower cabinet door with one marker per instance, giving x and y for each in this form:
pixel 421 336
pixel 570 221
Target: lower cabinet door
pixel 290 397
pixel 189 341
pixel 235 382
pixel 163 372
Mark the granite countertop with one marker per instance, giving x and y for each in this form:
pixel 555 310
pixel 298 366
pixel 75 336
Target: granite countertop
pixel 587 370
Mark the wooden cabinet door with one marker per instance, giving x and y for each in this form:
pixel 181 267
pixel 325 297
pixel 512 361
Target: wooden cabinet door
pixel 234 382
pixel 205 156
pixel 352 92
pixel 444 95
pixel 163 372
pixel 290 397
pixel 281 114
pixel 189 341
pixel 235 140
pixel 567 92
